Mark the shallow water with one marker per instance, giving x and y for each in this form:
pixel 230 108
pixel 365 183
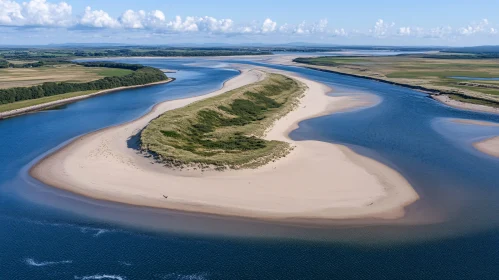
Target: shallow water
pixel 52 234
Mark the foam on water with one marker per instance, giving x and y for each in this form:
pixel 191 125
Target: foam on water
pixel 177 276
pixel 32 262
pixel 100 276
pixel 94 231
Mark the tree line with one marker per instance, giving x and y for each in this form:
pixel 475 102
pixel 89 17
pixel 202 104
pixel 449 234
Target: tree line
pixel 141 75
pixel 6 64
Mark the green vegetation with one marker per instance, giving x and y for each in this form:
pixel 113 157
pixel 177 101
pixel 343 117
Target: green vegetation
pixel 113 72
pixel 65 54
pixel 38 101
pixel 24 77
pixel 139 75
pixel 433 74
pixel 224 131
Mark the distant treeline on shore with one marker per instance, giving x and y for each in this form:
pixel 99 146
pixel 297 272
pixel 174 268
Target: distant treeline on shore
pixel 64 55
pixel 141 75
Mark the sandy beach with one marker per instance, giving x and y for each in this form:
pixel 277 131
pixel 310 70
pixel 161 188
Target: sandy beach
pixel 462 105
pixel 317 180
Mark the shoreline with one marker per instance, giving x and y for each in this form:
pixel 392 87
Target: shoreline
pixel 435 94
pixel 296 187
pixel 444 99
pixel 43 106
pixel 489 146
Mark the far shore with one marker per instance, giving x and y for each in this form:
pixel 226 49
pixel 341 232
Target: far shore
pixel 436 94
pixel 318 180
pixel 463 105
pixel 48 105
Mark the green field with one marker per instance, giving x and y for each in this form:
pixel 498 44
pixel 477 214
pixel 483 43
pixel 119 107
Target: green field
pixel 226 130
pixel 22 77
pixel 433 74
pixel 38 101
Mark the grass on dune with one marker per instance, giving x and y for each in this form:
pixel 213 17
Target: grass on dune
pixel 226 130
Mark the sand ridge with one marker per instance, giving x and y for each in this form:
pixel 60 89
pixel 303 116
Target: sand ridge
pixel 489 146
pixel 317 180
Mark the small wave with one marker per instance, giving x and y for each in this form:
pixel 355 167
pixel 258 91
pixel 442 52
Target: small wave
pixel 176 276
pixel 96 232
pixel 32 262
pixel 101 276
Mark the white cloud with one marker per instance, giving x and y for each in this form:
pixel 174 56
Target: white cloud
pixel 210 24
pixel 132 19
pixel 301 28
pixel 203 24
pixel 475 27
pixel 98 18
pixel 381 28
pixel 35 13
pixel 340 32
pixel 404 31
pixel 246 29
pixel 268 26
pixel 10 12
pixel 284 28
pixel 187 25
pixel 141 19
pixel 320 26
pixel 439 32
pixel 317 27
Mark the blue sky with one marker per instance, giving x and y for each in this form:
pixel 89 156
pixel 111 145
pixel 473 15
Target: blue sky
pixel 381 22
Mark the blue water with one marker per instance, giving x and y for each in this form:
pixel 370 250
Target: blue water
pixel 474 78
pixel 451 233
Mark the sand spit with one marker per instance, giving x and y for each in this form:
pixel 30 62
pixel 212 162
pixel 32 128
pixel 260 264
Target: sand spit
pixel 317 180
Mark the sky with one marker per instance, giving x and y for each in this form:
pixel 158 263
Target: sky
pixel 354 22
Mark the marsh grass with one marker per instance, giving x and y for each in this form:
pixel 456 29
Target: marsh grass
pixel 226 130
pixel 430 73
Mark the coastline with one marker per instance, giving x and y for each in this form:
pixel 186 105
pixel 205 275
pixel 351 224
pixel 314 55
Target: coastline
pixel 318 180
pixel 436 94
pixel 463 105
pixel 25 110
pixel 489 146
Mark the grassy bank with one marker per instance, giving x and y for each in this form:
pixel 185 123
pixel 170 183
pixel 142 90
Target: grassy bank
pixel 43 100
pixel 226 130
pixel 433 75
pixel 123 75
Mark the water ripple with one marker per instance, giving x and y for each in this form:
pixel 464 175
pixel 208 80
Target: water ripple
pixel 32 262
